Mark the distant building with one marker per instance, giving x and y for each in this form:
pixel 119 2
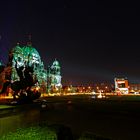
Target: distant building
pixel 104 87
pixel 134 88
pixel 121 86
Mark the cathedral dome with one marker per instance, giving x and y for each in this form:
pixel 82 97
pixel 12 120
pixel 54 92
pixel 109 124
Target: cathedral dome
pixel 56 63
pixel 31 53
pixel 29 50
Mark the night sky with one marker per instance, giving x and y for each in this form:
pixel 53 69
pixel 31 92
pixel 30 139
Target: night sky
pixel 93 41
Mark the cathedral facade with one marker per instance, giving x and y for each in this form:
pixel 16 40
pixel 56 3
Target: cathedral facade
pixel 23 55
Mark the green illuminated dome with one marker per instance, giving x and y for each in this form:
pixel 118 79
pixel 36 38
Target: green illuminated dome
pixel 23 54
pixel 29 50
pixel 56 63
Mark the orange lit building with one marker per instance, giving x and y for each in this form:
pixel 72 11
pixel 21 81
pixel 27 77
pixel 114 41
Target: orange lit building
pixel 121 86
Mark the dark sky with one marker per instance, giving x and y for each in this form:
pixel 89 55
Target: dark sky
pixel 94 41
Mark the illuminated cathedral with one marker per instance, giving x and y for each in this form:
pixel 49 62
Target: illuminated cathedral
pixel 20 55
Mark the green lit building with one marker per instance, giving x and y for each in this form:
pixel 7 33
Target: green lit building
pixel 20 55
pixel 24 54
